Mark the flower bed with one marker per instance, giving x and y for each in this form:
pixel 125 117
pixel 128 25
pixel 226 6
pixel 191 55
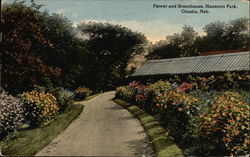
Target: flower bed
pixel 208 122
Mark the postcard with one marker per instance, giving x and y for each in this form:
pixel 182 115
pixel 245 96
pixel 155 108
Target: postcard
pixel 125 78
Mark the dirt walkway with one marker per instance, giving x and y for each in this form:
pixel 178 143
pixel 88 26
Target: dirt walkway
pixel 102 129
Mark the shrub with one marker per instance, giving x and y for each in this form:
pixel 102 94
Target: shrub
pixel 175 110
pixel 139 93
pixel 228 119
pixel 82 92
pixel 159 87
pixel 124 92
pixel 136 88
pixel 39 106
pixel 63 96
pixel 11 114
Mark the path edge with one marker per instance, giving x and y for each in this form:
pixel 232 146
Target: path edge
pixel 163 143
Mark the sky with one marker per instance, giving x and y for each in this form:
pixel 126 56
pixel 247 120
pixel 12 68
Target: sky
pixel 141 16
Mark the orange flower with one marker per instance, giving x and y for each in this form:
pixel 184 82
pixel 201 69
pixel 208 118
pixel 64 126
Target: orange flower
pixel 238 109
pixel 225 107
pixel 180 109
pixel 216 129
pixel 231 120
pixel 228 127
pixel 227 139
pixel 236 147
pixel 157 97
pixel 238 118
pixel 158 105
pixel 236 132
pixel 222 98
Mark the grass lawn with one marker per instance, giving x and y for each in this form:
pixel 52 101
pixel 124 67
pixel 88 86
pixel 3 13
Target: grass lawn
pixel 163 143
pixel 30 141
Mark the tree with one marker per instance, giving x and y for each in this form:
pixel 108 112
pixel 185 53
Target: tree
pixel 219 36
pixel 110 48
pixel 224 36
pixel 68 50
pixel 177 45
pixel 22 66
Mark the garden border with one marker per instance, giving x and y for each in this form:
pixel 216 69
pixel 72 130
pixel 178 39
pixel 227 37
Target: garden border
pixel 162 142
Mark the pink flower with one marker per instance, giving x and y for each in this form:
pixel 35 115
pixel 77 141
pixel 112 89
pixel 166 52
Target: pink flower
pixel 180 109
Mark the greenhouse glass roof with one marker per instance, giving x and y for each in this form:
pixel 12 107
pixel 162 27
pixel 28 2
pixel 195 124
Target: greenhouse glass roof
pixel 198 64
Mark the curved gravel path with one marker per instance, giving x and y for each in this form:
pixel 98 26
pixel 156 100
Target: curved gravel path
pixel 102 129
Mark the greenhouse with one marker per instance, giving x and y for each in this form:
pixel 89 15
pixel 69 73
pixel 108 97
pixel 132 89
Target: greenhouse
pixel 195 65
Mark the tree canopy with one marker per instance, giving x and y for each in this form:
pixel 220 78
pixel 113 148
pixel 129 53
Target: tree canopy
pixel 42 48
pixel 22 64
pixel 110 48
pixel 219 36
pixel 225 36
pixel 177 45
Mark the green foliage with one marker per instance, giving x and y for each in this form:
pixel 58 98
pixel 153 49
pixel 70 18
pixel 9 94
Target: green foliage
pixel 225 36
pixel 11 114
pixel 123 92
pixel 110 48
pixel 64 97
pixel 39 106
pixel 159 87
pixel 177 45
pixel 68 51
